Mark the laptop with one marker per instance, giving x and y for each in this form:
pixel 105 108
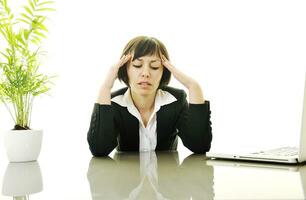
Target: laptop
pixel 279 155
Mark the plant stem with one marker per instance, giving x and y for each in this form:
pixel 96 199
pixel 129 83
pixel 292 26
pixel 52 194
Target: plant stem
pixel 6 106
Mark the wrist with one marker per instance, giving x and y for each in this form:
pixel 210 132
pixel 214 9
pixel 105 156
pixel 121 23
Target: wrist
pixel 192 84
pixel 104 96
pixel 106 86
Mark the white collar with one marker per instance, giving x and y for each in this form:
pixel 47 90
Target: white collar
pixel 162 98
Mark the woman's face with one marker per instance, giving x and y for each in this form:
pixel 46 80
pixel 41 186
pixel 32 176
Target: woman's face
pixel 144 74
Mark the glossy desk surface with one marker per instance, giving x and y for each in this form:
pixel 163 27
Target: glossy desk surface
pixel 151 176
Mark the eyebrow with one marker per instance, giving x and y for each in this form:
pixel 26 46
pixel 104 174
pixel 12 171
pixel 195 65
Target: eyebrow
pixel 151 60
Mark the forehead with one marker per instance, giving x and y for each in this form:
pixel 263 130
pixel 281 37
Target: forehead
pixel 150 58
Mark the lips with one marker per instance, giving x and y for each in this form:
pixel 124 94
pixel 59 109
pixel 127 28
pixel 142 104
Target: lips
pixel 144 83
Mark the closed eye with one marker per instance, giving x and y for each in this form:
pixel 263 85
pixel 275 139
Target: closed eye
pixel 137 66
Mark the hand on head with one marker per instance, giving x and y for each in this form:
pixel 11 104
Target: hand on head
pixel 123 60
pixel 166 62
pixel 113 71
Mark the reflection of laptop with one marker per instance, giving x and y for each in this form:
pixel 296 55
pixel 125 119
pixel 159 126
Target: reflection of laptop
pixel 280 155
pixel 253 165
pixel 281 181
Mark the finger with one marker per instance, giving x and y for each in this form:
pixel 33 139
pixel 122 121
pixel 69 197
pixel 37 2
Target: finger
pixel 164 57
pixel 127 58
pixel 165 60
pixel 119 63
pixel 124 59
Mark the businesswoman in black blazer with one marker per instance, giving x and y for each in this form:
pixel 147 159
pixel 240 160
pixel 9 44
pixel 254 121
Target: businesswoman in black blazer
pixel 148 115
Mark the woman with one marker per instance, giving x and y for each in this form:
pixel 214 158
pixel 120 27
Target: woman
pixel 148 115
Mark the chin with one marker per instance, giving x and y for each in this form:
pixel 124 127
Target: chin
pixel 145 92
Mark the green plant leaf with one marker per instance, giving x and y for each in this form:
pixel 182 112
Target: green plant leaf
pixel 43 27
pixel 39 34
pixel 35 40
pixel 25 16
pixel 25 21
pixel 31 4
pixel 11 17
pixel 20 80
pixel 28 10
pixel 45 9
pixel 44 3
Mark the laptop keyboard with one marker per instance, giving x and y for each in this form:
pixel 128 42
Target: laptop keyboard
pixel 284 151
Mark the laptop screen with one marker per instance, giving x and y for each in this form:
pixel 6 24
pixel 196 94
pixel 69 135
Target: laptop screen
pixel 257 108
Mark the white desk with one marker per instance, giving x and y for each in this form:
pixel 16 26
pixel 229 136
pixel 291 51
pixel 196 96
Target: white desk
pixel 149 176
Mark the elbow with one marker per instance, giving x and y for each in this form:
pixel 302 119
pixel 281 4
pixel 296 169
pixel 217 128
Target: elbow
pixel 200 149
pixel 207 144
pixel 100 146
pixel 100 152
pixel 207 139
pixel 200 145
pixel 100 149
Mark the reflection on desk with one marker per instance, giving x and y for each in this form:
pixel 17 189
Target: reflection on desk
pixel 22 179
pixel 255 180
pixel 150 175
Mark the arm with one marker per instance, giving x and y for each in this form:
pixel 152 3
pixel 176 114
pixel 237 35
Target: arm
pixel 102 134
pixel 194 122
pixel 104 96
pixel 194 126
pixel 194 89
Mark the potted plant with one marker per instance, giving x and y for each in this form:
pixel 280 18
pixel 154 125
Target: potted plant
pixel 20 80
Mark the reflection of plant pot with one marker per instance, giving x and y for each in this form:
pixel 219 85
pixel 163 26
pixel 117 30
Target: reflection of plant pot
pixel 23 145
pixel 22 179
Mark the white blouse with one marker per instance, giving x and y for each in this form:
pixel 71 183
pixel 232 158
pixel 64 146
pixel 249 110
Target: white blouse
pixel 148 134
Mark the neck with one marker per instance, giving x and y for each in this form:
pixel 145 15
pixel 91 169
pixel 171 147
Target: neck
pixel 143 103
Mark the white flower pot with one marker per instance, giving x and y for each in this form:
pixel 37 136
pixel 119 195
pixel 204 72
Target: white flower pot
pixel 23 145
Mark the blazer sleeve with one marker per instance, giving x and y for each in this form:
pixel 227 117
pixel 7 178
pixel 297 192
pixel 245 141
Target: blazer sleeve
pixel 102 135
pixel 194 125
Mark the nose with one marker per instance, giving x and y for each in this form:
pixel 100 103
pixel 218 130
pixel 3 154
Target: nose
pixel 145 72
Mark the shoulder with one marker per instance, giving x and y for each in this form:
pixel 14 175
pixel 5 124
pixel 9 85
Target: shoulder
pixel 179 94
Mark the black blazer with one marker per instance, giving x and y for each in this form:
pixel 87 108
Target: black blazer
pixel 113 126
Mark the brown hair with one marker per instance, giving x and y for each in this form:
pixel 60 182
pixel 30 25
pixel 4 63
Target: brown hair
pixel 143 46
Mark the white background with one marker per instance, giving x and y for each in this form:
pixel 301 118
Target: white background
pixel 249 57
